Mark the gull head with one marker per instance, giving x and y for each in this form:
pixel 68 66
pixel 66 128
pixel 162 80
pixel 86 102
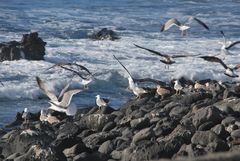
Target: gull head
pixel 25 110
pixel 98 96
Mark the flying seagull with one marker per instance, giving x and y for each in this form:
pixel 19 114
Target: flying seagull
pixel 226 45
pixel 132 85
pixel 183 27
pixel 65 104
pixel 168 59
pixel 85 79
pixel 228 71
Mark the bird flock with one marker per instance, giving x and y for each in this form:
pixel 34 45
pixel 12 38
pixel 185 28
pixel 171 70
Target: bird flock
pixel 63 103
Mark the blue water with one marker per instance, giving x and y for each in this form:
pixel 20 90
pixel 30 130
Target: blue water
pixel 65 26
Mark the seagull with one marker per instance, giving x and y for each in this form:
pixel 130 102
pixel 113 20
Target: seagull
pixel 65 104
pixel 183 27
pixel 132 85
pixel 26 115
pixel 43 116
pixel 168 59
pixel 178 87
pixel 162 91
pixel 101 102
pixel 226 45
pixel 85 79
pixel 228 71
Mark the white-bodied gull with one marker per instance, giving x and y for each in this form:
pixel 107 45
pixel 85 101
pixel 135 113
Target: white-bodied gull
pixel 178 87
pixel 226 45
pixel 65 104
pixel 101 102
pixel 183 27
pixel 132 85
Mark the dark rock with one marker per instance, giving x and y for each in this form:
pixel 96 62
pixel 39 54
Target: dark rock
pixel 220 131
pixel 95 140
pixel 204 137
pixel 75 150
pixel 207 114
pixel 140 123
pixel 104 34
pixel 31 47
pixel 143 134
pixel 109 126
pixel 228 120
pixel 96 121
pixel 236 134
pixel 90 157
pixel 206 126
pixel 106 148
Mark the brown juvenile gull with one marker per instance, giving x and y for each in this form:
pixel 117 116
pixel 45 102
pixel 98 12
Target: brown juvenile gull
pixel 183 27
pixel 228 71
pixel 162 91
pixel 226 45
pixel 132 85
pixel 168 59
pixel 65 104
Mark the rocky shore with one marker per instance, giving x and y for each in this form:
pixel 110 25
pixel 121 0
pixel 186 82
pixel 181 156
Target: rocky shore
pixel 198 124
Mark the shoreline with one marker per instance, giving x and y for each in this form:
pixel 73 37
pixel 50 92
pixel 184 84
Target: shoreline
pixel 195 123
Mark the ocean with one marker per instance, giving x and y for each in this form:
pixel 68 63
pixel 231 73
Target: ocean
pixel 65 26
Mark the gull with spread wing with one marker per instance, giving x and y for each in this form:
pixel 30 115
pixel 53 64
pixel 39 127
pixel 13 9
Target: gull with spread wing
pixel 65 104
pixel 183 27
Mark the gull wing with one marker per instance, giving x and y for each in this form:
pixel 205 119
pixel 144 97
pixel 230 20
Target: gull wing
pixel 232 44
pixel 180 56
pixel 1 83
pixel 75 72
pixel 170 23
pixel 152 51
pixel 82 67
pixel 214 59
pixel 123 67
pixel 105 100
pixel 236 67
pixel 224 37
pixel 199 21
pixel 67 97
pixel 65 88
pixel 45 90
pixel 57 65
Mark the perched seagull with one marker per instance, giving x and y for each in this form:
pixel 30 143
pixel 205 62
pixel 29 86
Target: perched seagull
pixel 132 85
pixel 101 102
pixel 183 27
pixel 199 86
pixel 178 87
pixel 65 104
pixel 26 115
pixel 226 45
pixel 228 71
pixel 43 116
pixel 162 91
pixel 168 59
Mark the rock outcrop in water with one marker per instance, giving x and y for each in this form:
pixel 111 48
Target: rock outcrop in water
pixel 31 47
pixel 191 126
pixel 104 34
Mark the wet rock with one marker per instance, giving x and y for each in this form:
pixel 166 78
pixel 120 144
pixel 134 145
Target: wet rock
pixel 228 120
pixel 109 126
pixel 90 157
pixel 31 47
pixel 75 150
pixel 104 34
pixel 206 126
pixel 204 137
